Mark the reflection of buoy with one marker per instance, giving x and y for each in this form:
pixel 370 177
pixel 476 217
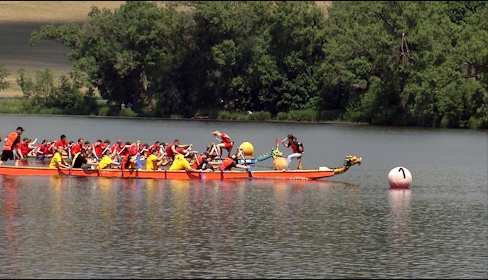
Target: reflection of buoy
pixel 247 149
pixel 399 178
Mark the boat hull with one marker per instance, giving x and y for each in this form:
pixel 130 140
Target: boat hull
pixel 166 174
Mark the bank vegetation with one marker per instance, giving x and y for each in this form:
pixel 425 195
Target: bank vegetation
pixel 421 63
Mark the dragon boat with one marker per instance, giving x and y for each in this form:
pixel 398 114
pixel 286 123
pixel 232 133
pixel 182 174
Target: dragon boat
pixel 312 174
pixel 277 173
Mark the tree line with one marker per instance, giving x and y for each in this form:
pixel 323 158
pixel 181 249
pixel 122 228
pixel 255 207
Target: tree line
pixel 385 63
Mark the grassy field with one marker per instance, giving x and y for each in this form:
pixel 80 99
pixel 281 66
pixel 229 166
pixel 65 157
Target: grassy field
pixel 19 18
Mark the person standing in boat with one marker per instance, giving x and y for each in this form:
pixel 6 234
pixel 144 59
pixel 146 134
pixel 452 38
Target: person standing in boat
pixel 297 149
pixel 57 160
pixel 225 142
pixel 11 143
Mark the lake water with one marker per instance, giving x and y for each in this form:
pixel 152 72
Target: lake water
pixel 348 226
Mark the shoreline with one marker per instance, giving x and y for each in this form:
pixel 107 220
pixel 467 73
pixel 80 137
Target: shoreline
pixel 187 119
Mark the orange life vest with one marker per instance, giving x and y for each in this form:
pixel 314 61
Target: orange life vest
pixel 11 137
pixel 197 162
pixel 225 163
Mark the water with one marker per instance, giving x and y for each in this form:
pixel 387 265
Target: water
pixel 348 226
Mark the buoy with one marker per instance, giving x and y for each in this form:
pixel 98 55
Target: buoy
pixel 399 178
pixel 247 149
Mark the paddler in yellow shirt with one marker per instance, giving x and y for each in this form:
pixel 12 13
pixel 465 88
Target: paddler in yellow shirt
pixel 57 161
pixel 155 160
pixel 107 160
pixel 181 163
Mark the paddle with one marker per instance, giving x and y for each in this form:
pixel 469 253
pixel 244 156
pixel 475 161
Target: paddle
pixel 119 158
pixel 250 172
pixel 249 169
pixel 95 154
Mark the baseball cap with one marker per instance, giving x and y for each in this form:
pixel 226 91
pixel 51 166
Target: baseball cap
pixel 20 128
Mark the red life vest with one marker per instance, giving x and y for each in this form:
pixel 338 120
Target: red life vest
pixel 24 148
pixel 125 162
pixel 225 138
pixel 197 162
pixel 169 150
pixel 226 163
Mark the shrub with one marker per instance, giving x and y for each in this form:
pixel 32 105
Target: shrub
pixel 103 111
pixel 259 116
pixel 308 115
pixel 282 116
pixel 330 115
pixel 127 112
pixel 11 106
pixel 224 115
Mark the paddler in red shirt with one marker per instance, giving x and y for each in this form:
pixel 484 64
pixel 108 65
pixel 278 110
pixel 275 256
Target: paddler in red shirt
pixel 117 147
pixel 62 142
pixel 77 147
pixel 175 148
pixel 24 148
pixel 156 145
pixel 97 148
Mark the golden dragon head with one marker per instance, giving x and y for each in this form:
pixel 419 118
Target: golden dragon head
pixel 352 160
pixel 277 152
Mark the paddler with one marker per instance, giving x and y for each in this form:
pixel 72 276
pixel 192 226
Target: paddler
pixel 181 163
pixel 57 161
pixel 107 160
pixel 230 162
pixel 155 160
pixel 82 159
pixel 176 148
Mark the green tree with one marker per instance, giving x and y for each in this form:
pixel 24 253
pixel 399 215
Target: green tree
pixel 394 62
pixel 4 73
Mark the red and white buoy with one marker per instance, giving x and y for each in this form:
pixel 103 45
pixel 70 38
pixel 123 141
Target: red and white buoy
pixel 399 178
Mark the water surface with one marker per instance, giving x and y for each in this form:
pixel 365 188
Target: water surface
pixel 351 225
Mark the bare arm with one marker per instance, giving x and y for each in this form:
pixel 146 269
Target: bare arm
pixel 242 166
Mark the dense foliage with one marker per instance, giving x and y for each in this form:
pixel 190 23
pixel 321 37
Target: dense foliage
pixel 388 63
pixel 4 84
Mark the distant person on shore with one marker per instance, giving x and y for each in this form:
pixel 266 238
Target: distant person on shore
pixel 11 143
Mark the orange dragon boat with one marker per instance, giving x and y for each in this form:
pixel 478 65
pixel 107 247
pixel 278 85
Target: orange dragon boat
pixel 275 174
